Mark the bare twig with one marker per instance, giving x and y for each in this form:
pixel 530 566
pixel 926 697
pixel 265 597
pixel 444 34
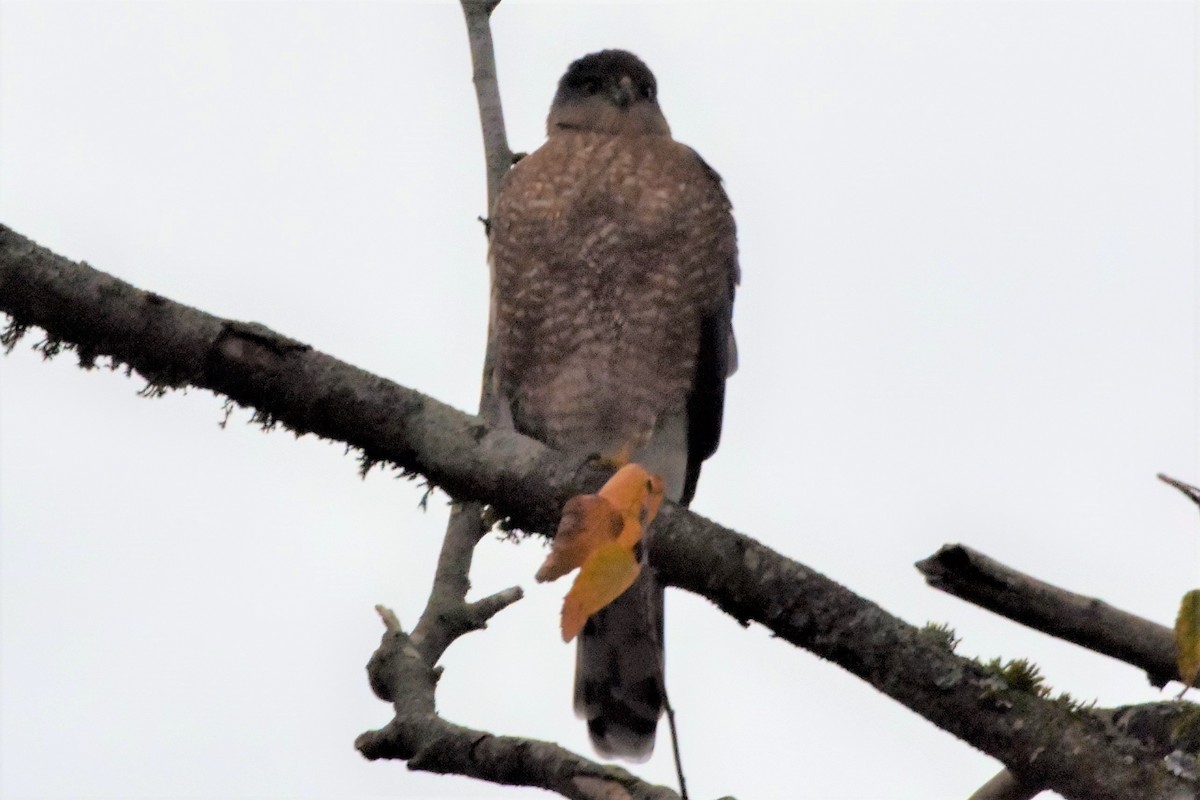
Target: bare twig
pixel 1189 491
pixel 683 792
pixel 1086 621
pixel 402 673
pixel 447 615
pixel 303 389
pixel 487 93
pixel 467 518
pixel 498 158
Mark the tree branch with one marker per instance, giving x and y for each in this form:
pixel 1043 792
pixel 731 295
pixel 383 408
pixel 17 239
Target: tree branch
pixel 497 154
pixel 1086 621
pixel 1044 741
pixel 1190 492
pixel 1170 730
pixel 404 672
pixel 1089 622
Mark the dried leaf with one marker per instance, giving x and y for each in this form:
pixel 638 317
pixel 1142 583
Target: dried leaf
pixel 598 534
pixel 588 522
pixel 1187 639
pixel 606 574
pixel 636 495
pixel 620 511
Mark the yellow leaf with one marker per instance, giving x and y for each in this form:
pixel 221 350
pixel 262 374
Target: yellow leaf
pixel 606 574
pixel 636 495
pixel 598 534
pixel 588 522
pixel 623 507
pixel 1187 639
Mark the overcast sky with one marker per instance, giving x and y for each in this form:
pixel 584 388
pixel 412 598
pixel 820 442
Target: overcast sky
pixel 968 314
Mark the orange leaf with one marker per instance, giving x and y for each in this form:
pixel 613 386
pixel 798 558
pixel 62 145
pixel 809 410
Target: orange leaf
pixel 598 533
pixel 606 574
pixel 636 495
pixel 626 503
pixel 588 522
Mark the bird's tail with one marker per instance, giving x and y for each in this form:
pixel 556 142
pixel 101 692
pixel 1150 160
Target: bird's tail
pixel 619 672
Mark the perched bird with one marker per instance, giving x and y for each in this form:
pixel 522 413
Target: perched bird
pixel 614 264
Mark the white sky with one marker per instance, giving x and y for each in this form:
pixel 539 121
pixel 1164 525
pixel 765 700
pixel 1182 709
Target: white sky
pixel 969 313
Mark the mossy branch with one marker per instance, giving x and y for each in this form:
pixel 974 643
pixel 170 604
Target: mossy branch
pixel 308 391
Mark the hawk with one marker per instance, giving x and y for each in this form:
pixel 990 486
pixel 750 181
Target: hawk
pixel 614 262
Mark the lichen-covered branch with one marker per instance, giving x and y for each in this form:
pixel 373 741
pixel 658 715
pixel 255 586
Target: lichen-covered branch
pixel 1170 730
pixel 288 383
pixel 1044 741
pixel 1086 621
pixel 1047 742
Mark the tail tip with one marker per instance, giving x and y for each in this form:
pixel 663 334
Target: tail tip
pixel 630 739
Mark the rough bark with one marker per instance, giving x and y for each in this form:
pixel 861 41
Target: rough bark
pixel 1086 621
pixel 1044 741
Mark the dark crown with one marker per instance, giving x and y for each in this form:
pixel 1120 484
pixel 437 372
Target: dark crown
pixel 600 72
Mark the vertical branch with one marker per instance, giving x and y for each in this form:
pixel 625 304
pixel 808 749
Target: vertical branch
pixel 497 157
pixel 467 524
pixel 487 93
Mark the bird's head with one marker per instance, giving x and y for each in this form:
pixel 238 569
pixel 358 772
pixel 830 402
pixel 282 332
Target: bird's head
pixel 611 91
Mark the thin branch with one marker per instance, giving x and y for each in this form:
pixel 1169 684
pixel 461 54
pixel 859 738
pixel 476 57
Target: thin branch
pixel 1190 492
pixel 1086 621
pixel 447 615
pixel 467 518
pixel 487 93
pixel 404 675
pixel 1046 741
pixel 497 155
pixel 679 776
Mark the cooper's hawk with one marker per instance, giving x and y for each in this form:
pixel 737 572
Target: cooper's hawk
pixel 614 263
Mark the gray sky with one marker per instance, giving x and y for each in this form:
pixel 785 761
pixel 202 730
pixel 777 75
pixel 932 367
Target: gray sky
pixel 968 313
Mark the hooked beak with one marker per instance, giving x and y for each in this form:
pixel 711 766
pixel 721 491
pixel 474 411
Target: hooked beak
pixel 624 93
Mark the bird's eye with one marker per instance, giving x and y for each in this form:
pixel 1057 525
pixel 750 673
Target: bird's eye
pixel 648 91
